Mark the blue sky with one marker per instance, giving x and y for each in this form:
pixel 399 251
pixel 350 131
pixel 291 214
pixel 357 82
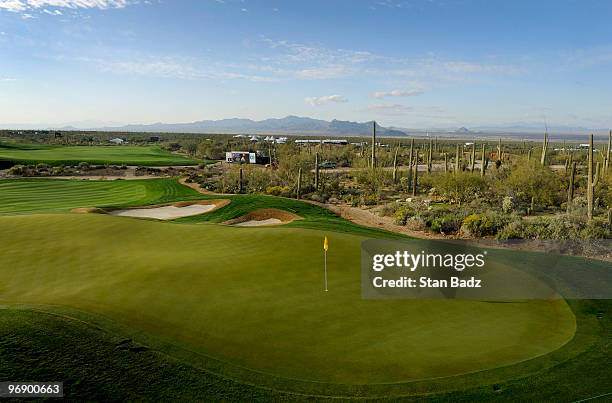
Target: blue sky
pixel 406 63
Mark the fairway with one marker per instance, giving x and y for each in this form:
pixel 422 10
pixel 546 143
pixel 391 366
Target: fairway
pixel 28 154
pixel 25 196
pixel 252 298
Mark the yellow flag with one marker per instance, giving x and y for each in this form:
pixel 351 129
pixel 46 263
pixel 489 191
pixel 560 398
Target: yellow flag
pixel 325 244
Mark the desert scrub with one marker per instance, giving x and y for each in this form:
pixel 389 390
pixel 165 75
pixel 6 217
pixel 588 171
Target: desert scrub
pixel 483 224
pixel 402 214
pixel 447 224
pixel 457 188
pixel 416 224
pixel 279 191
pixel 561 228
pixel 389 209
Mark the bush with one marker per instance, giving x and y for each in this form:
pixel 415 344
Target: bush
pixel 416 224
pixel 16 170
pixel 507 204
pixel 402 215
pixel 483 224
pixel 278 190
pixel 447 224
pixel 529 180
pixel 460 187
pixel 389 209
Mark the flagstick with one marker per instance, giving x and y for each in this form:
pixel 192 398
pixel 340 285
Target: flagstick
pixel 325 254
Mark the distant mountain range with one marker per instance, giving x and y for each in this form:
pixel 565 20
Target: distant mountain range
pixel 286 125
pixel 308 126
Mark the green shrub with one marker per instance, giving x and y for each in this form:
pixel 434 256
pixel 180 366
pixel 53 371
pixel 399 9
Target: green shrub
pixel 483 224
pixel 402 214
pixel 389 209
pixel 447 224
pixel 458 188
pixel 278 190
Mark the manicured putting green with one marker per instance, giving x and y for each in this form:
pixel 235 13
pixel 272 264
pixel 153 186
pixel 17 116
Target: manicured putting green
pixel 253 297
pixel 71 155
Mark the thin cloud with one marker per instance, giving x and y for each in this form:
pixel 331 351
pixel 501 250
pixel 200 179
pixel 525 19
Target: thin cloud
pixel 397 93
pixel 22 6
pixel 171 67
pixel 390 109
pixel 316 101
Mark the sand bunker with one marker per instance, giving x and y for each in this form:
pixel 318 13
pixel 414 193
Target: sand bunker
pixel 166 212
pixel 257 223
pixel 162 212
pixel 261 217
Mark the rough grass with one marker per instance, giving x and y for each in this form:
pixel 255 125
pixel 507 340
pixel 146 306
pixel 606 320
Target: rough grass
pixel 28 154
pixel 99 366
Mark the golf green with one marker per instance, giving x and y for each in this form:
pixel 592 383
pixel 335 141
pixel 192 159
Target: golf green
pixel 253 298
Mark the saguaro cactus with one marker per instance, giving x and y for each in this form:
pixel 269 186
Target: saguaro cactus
pixel 544 149
pixel 570 188
pixel 298 192
pixel 411 153
pixel 483 167
pixel 592 179
pixel 240 181
pixel 445 163
pixel 316 168
pixel 607 163
pixel 457 158
pixel 415 174
pixel 373 163
pixel 429 157
pixel 473 157
pixel 395 164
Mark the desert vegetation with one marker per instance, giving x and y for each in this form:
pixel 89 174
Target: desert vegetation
pixel 503 189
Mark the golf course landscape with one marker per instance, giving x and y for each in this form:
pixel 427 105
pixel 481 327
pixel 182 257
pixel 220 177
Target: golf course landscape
pixel 19 153
pixel 206 310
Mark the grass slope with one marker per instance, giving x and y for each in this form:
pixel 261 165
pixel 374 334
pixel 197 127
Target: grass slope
pixel 28 196
pixel 28 154
pixel 253 298
pixel 97 366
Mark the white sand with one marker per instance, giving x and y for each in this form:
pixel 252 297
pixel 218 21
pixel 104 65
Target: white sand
pixel 257 223
pixel 166 212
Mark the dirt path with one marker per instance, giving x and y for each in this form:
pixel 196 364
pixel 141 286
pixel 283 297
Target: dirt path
pixel 370 219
